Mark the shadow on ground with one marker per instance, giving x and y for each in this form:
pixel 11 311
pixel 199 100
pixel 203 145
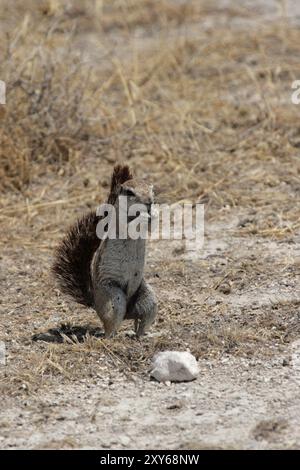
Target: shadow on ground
pixel 65 331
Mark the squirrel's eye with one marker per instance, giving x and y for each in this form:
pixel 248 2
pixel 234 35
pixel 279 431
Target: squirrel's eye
pixel 128 192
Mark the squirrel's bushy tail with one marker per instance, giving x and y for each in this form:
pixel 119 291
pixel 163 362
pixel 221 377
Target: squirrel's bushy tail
pixel 120 174
pixel 73 259
pixel 73 256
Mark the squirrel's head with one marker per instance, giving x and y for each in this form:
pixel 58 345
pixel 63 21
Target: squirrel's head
pixel 138 191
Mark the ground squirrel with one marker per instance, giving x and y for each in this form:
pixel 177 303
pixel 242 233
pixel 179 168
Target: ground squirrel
pixel 107 274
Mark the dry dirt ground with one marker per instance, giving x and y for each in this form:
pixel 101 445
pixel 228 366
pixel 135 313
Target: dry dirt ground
pixel 196 95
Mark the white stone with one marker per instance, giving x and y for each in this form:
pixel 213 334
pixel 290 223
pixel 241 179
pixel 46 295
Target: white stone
pixel 124 440
pixel 174 366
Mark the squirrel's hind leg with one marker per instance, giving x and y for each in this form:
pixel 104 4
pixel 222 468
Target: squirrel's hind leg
pixel 110 305
pixel 144 309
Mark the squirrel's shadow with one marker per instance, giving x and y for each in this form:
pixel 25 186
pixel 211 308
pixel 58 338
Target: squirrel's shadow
pixel 77 333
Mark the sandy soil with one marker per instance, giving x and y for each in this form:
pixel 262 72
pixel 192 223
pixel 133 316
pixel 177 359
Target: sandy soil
pixel 237 402
pixel 235 304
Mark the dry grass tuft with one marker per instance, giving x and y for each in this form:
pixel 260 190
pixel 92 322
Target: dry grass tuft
pixel 46 123
pixel 265 430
